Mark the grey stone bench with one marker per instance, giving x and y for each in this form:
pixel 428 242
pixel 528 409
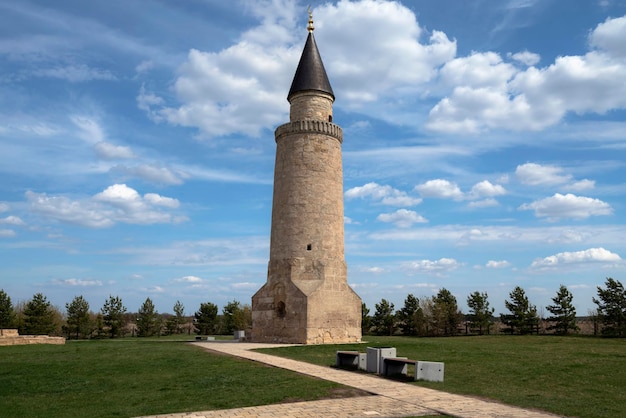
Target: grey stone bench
pixel 351 359
pixel 396 365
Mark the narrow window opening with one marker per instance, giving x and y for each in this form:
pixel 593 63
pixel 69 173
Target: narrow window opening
pixel 309 247
pixel 280 309
pixel 330 118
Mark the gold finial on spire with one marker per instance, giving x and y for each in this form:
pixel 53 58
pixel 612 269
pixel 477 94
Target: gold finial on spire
pixel 310 28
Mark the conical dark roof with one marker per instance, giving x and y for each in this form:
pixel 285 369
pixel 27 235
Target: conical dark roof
pixel 310 74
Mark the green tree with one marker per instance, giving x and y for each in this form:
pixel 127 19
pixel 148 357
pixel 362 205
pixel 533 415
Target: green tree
pixel 523 318
pixel 480 315
pixel 612 308
pixel 39 316
pixel 366 319
pixel 409 315
pixel 8 318
pixel 231 317
pixel 384 319
pixel 563 312
pixel 205 319
pixel 179 316
pixel 113 316
pixel 78 318
pixel 446 313
pixel 148 320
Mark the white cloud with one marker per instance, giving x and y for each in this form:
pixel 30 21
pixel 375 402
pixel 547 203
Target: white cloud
pixel 535 98
pixel 189 279
pixel 477 70
pixel 439 188
pixel 12 220
pixel 77 282
pixel 241 89
pixel 485 203
pixel 89 129
pixel 541 175
pixel 7 233
pixel 109 151
pixel 526 57
pixel 4 207
pixel 117 203
pixel 493 264
pixel 386 195
pixel 486 189
pixel 434 267
pixel 568 206
pixel 587 256
pixel 402 218
pixel 152 173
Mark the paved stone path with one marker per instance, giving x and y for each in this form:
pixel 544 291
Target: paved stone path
pixel 390 398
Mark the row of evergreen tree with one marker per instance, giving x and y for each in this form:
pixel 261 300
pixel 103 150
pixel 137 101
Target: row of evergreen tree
pixel 39 317
pixel 440 315
pixel 433 316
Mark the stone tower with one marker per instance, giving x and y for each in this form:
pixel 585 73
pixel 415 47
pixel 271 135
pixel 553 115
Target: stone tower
pixel 307 299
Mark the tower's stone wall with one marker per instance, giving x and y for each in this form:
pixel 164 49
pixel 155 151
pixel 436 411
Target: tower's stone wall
pixel 306 298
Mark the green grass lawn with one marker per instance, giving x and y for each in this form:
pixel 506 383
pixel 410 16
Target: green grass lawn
pixel 573 376
pixel 135 376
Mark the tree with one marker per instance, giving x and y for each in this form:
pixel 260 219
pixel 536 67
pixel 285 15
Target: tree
pixel 78 319
pixel 612 308
pixel 481 314
pixel 384 319
pixel 113 315
pixel 446 311
pixel 205 319
pixel 564 313
pixel 39 316
pixel 235 317
pixel 179 318
pixel 408 316
pixel 523 318
pixel 366 319
pixel 147 319
pixel 8 318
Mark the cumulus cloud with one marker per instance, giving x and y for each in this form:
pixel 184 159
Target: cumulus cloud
pixel 12 220
pixel 109 151
pixel 541 175
pixel 439 188
pixel 535 98
pixel 591 255
pixel 189 279
pixel 241 89
pixel 526 57
pixel 7 233
pixel 385 195
pixel 433 267
pixel 486 189
pixel 568 206
pixel 493 264
pixel 402 218
pixel 116 204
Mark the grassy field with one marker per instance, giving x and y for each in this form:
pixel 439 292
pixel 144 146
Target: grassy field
pixel 133 376
pixel 573 376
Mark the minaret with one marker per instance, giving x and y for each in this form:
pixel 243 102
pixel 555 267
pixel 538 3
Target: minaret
pixel 307 299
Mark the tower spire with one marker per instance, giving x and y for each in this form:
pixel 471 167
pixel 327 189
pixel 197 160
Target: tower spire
pixel 310 27
pixel 310 74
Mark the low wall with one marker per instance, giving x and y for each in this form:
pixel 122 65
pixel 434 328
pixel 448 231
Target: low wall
pixel 11 337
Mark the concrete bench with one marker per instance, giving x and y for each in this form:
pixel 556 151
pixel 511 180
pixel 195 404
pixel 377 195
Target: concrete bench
pixel 431 371
pixel 396 365
pixel 352 359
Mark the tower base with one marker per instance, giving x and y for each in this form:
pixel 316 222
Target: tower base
pixel 306 302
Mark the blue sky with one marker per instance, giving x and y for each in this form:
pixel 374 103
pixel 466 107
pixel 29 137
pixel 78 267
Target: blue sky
pixel 484 146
